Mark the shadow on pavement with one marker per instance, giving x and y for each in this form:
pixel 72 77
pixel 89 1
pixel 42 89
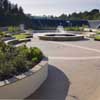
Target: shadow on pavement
pixel 54 88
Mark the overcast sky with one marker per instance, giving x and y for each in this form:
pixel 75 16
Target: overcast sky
pixel 56 7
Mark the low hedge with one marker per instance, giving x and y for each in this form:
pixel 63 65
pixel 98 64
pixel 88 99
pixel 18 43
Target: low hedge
pixel 16 60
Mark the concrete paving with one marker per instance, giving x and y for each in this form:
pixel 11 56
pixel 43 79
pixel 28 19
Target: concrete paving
pixel 74 70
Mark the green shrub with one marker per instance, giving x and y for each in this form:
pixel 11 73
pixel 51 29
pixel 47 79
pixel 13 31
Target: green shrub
pixel 16 60
pixel 20 63
pixel 24 51
pixel 35 52
pixel 35 59
pixel 7 70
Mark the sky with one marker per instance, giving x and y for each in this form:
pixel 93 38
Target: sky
pixel 56 7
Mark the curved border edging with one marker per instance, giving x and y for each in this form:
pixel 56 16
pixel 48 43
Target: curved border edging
pixel 69 38
pixel 22 86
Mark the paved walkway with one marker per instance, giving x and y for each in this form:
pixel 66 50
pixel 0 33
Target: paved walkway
pixel 74 70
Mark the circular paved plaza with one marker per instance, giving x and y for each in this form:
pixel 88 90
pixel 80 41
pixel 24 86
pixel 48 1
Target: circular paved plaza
pixel 74 70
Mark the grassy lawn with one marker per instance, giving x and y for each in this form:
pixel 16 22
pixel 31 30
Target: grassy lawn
pixel 97 37
pixel 98 32
pixel 73 29
pixel 20 36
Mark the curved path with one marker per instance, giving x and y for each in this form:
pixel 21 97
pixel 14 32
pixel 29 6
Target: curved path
pixel 74 70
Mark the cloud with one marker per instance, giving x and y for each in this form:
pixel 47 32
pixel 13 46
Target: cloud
pixel 56 7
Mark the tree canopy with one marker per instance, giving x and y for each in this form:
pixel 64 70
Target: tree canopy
pixel 13 15
pixel 87 15
pixel 7 8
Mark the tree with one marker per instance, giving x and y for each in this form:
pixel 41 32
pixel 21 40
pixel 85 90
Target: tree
pixel 21 10
pixel 63 16
pixel 94 11
pixel 92 15
pixel 15 10
pixel 6 6
pixel 1 7
pixel 74 16
pixel 9 8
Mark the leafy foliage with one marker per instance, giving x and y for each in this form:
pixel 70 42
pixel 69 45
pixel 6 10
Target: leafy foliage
pixel 15 60
pixel 6 8
pixel 12 15
pixel 92 15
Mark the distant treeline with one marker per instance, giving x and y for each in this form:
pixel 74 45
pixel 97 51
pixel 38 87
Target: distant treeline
pixel 8 9
pixel 87 15
pixel 12 14
pixel 94 14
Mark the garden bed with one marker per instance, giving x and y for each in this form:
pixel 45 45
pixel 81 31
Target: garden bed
pixel 22 36
pixel 22 70
pixel 25 84
pixel 15 41
pixel 16 60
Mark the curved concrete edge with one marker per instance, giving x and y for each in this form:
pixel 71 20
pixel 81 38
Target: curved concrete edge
pixel 58 38
pixel 22 86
